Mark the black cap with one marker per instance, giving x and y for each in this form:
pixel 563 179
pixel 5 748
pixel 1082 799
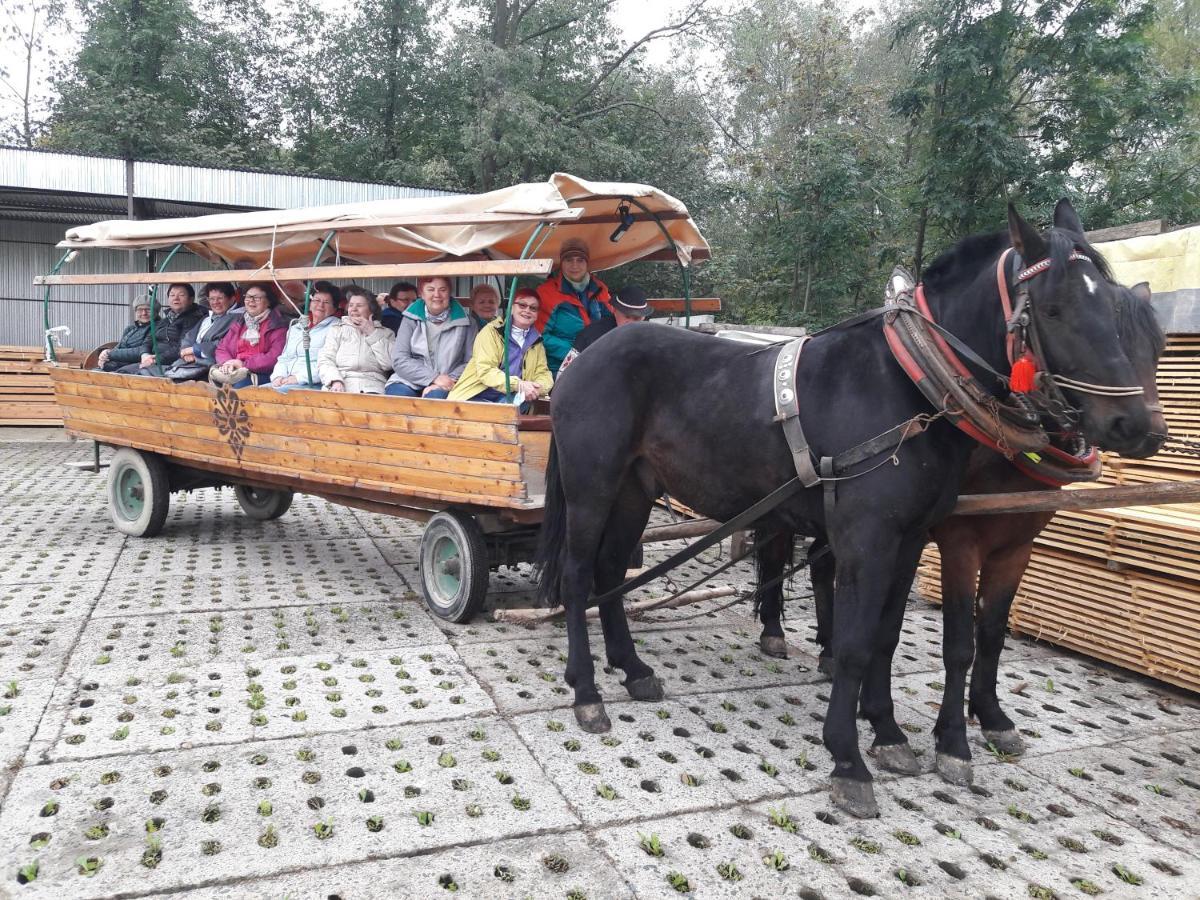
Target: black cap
pixel 631 300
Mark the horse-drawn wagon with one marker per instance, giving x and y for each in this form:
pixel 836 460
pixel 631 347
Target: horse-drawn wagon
pixel 473 472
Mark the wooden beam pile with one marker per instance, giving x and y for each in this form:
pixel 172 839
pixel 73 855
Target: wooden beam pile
pixel 1123 585
pixel 26 393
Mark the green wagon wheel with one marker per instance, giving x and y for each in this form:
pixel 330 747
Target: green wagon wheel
pixel 454 566
pixel 262 504
pixel 139 493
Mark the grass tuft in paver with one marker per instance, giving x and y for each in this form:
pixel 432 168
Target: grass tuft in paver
pixel 152 855
pixel 1086 887
pixel 780 819
pixel 1126 875
pixel 323 830
pixel 679 882
pixel 650 843
pixel 88 866
pixel 556 863
pixel 777 860
pixel 269 839
pixel 28 873
pixel 729 871
pixel 425 818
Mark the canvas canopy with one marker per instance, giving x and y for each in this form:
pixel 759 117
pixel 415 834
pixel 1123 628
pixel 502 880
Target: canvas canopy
pixel 1170 262
pixel 494 225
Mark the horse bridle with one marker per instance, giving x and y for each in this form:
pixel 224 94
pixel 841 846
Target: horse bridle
pixel 1024 340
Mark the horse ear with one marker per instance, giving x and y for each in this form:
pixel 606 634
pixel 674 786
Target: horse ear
pixel 1025 237
pixel 1141 290
pixel 1066 218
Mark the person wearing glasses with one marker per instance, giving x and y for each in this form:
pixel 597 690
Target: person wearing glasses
pixel 248 352
pixel 198 352
pixel 291 370
pixel 485 378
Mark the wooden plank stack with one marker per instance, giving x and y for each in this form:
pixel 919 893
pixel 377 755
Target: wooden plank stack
pixel 26 392
pixel 1123 585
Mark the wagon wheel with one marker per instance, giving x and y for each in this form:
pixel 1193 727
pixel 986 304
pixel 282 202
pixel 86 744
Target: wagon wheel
pixel 454 566
pixel 139 493
pixel 262 504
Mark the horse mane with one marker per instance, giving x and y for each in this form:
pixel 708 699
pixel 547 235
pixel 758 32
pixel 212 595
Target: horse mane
pixel 962 260
pixel 1137 321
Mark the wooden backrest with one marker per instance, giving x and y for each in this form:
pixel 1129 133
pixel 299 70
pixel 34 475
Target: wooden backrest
pixel 93 359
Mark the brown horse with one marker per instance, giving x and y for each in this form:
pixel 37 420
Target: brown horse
pixel 983 559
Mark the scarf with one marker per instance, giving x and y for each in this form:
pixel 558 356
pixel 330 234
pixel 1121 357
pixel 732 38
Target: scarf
pixel 439 318
pixel 252 322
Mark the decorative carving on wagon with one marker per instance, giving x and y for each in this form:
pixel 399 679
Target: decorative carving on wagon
pixel 231 419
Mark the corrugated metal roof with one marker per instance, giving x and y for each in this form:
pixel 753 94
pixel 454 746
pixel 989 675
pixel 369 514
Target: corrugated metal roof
pixel 41 170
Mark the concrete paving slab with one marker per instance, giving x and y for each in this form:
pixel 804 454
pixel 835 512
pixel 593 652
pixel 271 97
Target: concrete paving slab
pixel 120 712
pixel 558 865
pixel 28 604
pixel 61 566
pixel 161 821
pixel 222 638
pixel 22 703
pixel 526 674
pixel 37 650
pixel 162 556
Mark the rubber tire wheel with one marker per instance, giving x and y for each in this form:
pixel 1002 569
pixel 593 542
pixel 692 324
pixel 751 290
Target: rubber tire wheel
pixel 465 540
pixel 262 504
pixel 149 471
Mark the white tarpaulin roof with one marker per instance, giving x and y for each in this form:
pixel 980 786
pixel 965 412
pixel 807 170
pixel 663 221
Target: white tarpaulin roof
pixel 497 225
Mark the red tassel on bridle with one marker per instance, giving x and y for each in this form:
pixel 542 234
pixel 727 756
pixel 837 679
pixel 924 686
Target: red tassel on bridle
pixel 1024 374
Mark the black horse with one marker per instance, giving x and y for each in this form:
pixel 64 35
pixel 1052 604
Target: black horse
pixel 983 559
pixel 654 409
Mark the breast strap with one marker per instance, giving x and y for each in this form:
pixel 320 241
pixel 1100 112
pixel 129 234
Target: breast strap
pixel 787 410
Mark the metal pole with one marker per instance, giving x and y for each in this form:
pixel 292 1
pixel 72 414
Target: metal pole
pixel 154 305
pixel 684 269
pixel 50 354
pixel 512 290
pixel 307 294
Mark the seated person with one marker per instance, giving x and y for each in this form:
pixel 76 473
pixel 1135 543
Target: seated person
pixel 571 300
pixel 248 352
pixel 433 344
pixel 134 341
pixel 628 306
pixel 198 352
pixel 399 297
pixel 528 375
pixel 180 315
pixel 357 355
pixel 484 304
pixel 292 368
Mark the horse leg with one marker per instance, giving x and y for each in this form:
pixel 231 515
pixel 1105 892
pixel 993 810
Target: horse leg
pixel 867 562
pixel 772 551
pixel 998 584
pixel 626 523
pixel 821 569
pixel 584 535
pixel 960 570
pixel 891 747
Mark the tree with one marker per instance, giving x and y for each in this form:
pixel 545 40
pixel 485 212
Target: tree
pixel 28 24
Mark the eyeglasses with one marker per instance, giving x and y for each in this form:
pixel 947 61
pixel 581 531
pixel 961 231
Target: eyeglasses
pixel 532 306
pixel 256 296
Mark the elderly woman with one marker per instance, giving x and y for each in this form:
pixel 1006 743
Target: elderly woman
pixel 197 354
pixel 395 303
pixel 484 304
pixel 251 347
pixel 292 369
pixel 528 376
pixel 433 344
pixel 134 341
pixel 357 355
pixel 572 298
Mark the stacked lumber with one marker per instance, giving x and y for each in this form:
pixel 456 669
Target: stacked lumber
pixel 26 392
pixel 1123 585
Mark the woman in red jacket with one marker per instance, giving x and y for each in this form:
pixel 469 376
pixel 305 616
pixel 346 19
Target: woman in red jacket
pixel 249 350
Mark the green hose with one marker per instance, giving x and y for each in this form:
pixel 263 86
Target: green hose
pixel 307 295
pixel 50 354
pixel 154 305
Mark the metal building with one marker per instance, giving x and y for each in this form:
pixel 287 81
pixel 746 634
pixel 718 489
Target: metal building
pixel 42 193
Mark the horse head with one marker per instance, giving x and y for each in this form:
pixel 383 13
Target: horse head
pixel 1071 324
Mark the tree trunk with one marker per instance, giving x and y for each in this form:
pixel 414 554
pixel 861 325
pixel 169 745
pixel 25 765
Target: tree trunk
pixel 918 253
pixel 393 64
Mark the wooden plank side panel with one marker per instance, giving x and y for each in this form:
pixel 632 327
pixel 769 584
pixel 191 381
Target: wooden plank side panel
pixel 307 457
pixel 267 419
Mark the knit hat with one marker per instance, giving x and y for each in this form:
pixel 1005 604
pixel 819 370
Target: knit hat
pixel 574 245
pixel 631 300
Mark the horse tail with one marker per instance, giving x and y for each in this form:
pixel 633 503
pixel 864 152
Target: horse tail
pixel 552 543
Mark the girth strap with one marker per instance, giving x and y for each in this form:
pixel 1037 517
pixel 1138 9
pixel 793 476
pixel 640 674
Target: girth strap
pixel 787 410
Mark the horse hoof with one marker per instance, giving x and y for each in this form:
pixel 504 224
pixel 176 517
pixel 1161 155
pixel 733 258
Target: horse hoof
pixel 1005 741
pixel 592 718
pixel 854 797
pixel 825 666
pixel 773 645
pixel 954 770
pixel 897 758
pixel 649 687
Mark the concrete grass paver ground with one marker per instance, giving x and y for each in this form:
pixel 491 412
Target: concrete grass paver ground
pixel 244 709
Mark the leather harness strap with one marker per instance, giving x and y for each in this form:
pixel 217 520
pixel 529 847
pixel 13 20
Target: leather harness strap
pixel 787 410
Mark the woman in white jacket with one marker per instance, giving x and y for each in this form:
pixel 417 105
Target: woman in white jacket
pixel 357 355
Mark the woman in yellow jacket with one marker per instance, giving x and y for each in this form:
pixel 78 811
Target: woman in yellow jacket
pixel 528 374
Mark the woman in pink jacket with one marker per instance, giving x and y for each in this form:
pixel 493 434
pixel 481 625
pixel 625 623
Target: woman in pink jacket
pixel 249 350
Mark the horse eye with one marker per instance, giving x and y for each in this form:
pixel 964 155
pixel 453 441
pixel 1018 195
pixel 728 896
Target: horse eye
pixel 1053 312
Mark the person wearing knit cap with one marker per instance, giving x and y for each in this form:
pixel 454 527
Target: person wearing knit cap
pixel 630 305
pixel 571 299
